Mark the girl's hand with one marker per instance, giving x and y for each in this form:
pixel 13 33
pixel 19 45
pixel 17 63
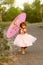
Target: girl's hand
pixel 16 24
pixel 25 31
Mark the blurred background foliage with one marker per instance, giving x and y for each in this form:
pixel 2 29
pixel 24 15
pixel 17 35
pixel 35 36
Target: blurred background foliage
pixel 34 11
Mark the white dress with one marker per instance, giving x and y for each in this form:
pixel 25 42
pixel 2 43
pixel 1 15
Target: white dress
pixel 24 40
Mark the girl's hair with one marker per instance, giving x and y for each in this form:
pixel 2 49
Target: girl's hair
pixel 23 23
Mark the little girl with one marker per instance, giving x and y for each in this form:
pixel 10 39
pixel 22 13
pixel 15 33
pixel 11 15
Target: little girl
pixel 24 39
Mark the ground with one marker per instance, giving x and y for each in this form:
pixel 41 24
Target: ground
pixel 34 54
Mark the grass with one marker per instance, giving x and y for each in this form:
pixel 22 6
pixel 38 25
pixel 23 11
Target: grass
pixel 40 23
pixel 3 41
pixel 4 24
pixel 5 60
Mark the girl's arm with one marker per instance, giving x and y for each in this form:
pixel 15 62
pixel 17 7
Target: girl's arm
pixel 21 31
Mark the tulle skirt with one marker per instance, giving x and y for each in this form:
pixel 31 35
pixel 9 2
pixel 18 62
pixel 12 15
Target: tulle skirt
pixel 24 40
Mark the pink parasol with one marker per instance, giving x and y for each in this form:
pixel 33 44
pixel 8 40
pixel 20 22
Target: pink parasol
pixel 14 26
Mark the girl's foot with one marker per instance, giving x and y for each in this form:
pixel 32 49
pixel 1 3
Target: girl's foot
pixel 23 52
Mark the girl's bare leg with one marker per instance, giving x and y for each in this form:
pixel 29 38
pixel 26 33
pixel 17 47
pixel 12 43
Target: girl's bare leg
pixel 22 50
